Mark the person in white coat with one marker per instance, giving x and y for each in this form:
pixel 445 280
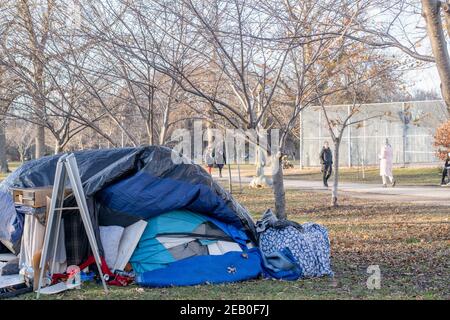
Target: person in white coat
pixel 386 156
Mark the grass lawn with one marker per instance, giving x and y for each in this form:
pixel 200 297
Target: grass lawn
pixel 404 176
pixel 410 244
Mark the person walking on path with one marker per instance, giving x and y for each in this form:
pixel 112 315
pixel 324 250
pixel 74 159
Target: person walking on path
pixel 326 160
pixel 209 159
pixel 386 156
pixel 219 160
pixel 446 170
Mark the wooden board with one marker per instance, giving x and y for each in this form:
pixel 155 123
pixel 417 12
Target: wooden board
pixel 33 197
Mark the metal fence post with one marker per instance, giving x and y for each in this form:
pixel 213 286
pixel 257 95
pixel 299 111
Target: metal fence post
pixel 319 140
pixel 404 133
pixel 349 138
pixel 301 139
pixel 364 151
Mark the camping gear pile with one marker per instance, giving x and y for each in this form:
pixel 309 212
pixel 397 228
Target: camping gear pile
pixel 157 222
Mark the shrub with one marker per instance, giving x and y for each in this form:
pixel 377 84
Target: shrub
pixel 442 140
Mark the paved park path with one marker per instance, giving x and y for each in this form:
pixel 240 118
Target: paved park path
pixel 415 194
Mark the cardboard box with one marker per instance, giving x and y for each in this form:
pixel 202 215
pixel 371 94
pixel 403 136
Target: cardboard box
pixel 33 197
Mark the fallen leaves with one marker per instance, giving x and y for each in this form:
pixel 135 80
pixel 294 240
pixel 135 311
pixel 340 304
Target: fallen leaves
pixel 409 243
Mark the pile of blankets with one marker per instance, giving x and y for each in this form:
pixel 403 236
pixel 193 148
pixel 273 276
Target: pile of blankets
pixel 291 251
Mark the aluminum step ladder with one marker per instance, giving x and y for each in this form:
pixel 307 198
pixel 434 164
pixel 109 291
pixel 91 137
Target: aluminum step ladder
pixel 66 168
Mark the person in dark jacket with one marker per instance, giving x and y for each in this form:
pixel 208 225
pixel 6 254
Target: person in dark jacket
pixel 445 171
pixel 219 159
pixel 326 160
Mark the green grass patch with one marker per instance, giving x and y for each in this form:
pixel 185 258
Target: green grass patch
pixel 412 240
pixel 404 176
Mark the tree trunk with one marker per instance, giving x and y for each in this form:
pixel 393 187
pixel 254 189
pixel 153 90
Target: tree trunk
pixel 58 147
pixel 40 142
pixel 3 162
pixel 446 9
pixel 260 164
pixel 435 31
pixel 334 190
pixel 209 129
pixel 150 131
pixel 260 179
pixel 165 124
pixel 22 155
pixel 162 136
pixel 278 187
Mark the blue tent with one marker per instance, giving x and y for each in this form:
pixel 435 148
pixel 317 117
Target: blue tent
pixel 196 231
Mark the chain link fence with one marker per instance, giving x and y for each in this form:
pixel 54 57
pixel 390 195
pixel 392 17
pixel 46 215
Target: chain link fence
pixel 409 126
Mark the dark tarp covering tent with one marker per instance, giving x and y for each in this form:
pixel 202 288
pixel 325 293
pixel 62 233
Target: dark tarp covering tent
pixel 125 185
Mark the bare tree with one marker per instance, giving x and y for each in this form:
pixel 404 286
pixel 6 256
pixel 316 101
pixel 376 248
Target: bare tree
pixel 131 71
pixel 252 57
pixel 118 71
pixel 6 99
pixel 20 134
pixel 3 109
pixel 32 31
pixel 38 47
pixel 411 27
pixel 3 160
pixel 357 72
pixel 435 30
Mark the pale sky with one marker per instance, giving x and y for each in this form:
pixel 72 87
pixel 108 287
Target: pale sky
pixel 426 79
pixel 410 28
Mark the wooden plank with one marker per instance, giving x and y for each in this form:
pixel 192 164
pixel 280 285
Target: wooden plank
pixel 33 197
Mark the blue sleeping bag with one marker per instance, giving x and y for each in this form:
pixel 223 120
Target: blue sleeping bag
pixel 230 267
pixel 174 251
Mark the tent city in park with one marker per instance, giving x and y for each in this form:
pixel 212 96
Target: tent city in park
pixel 224 149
